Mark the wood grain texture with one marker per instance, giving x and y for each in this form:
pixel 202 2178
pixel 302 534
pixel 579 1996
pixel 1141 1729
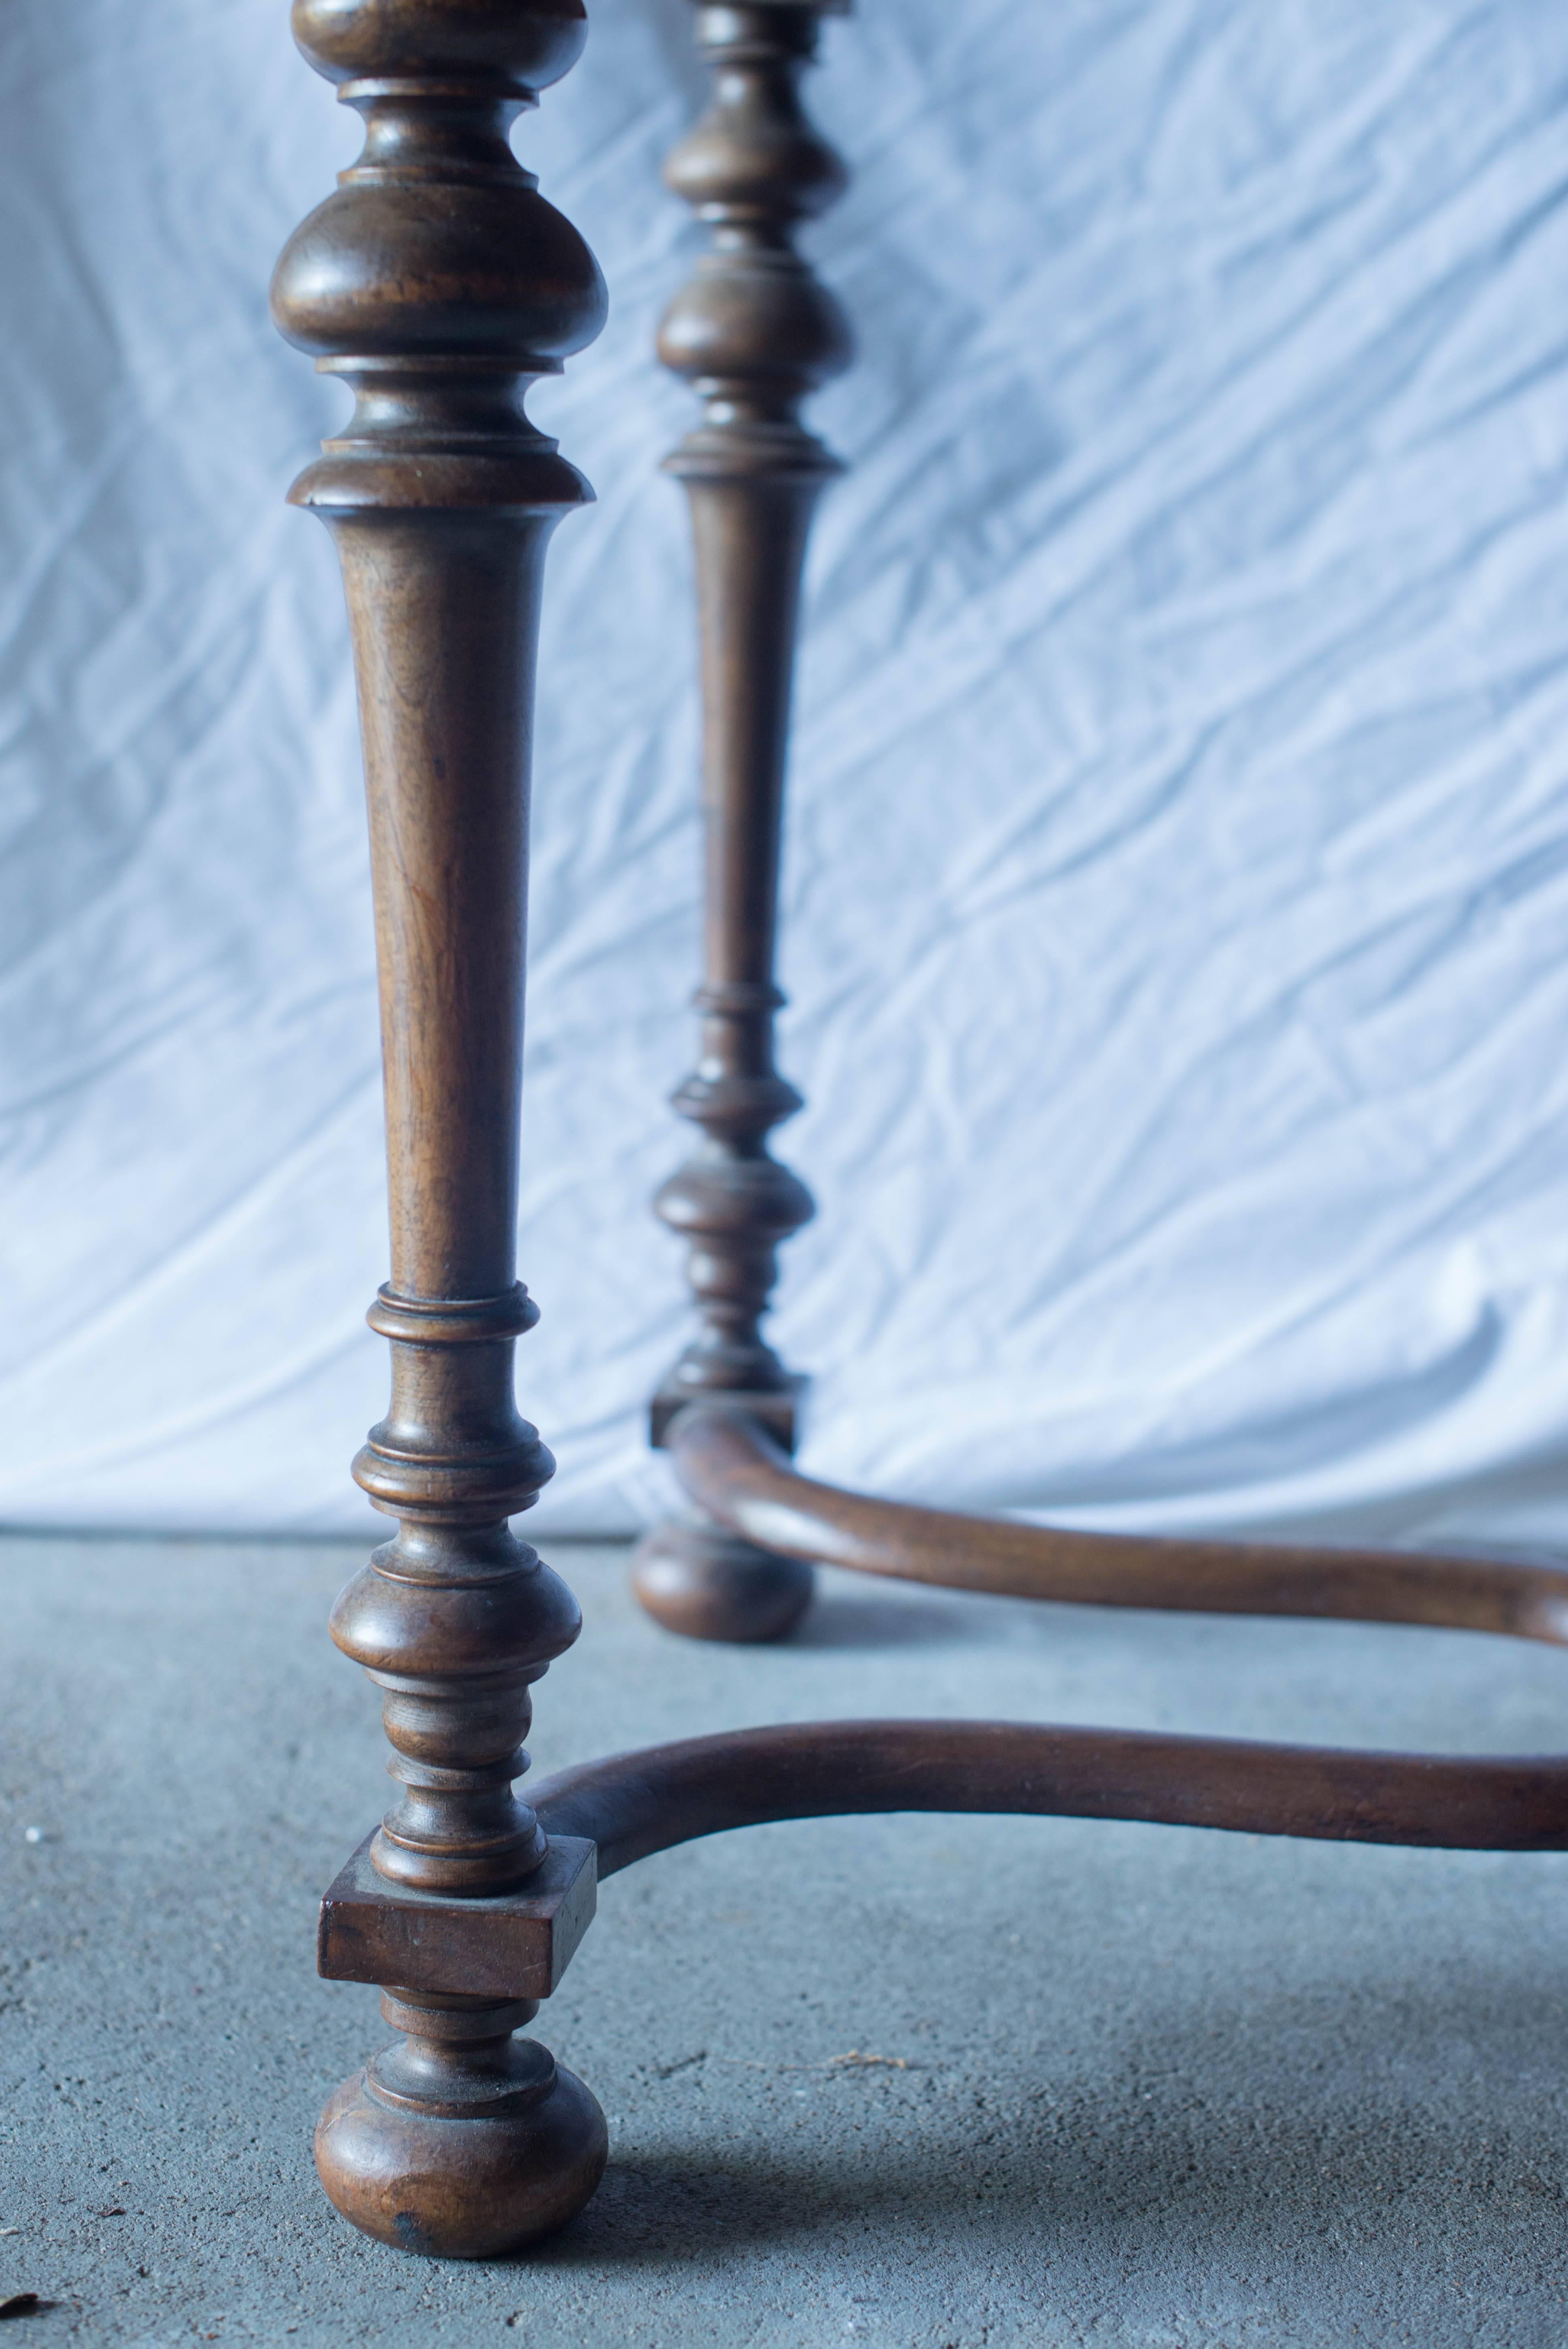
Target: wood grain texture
pixel 634 1804
pixel 437 282
pixel 510 1945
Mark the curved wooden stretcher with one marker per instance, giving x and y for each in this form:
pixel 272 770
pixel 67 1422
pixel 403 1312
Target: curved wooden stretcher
pixel 633 1805
pixel 437 282
pixel 736 1472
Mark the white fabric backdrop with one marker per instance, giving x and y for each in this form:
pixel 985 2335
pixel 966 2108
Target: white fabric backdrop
pixel 1177 888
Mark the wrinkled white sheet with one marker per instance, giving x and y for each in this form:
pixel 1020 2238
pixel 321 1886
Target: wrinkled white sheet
pixel 1177 889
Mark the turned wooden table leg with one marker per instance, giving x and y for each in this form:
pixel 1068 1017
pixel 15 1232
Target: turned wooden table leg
pixel 754 331
pixel 437 282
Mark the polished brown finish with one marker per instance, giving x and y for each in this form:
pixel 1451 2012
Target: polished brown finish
pixel 754 333
pixel 511 1945
pixel 437 282
pixel 696 1579
pixel 740 1476
pixel 633 1805
pixel 459 2140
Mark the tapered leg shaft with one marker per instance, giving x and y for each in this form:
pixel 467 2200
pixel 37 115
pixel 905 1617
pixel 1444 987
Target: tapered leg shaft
pixel 437 282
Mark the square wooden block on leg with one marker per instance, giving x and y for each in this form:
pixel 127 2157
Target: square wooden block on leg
pixel 511 1945
pixel 781 1410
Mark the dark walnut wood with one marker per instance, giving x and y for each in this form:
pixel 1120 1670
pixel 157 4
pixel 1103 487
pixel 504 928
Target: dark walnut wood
pixel 740 1476
pixel 512 1945
pixel 634 1804
pixel 437 282
pixel 753 333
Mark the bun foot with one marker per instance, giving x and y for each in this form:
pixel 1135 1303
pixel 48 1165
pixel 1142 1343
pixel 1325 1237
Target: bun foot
pixel 462 2169
pixel 710 1585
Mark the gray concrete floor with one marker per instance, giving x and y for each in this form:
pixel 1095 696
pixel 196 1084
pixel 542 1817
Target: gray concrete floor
pixel 1140 2085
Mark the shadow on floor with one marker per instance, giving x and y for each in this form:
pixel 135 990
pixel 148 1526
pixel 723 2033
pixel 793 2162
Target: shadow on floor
pixel 831 1621
pixel 1339 2148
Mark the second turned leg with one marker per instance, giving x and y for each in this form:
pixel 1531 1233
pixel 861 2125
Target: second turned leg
pixel 753 333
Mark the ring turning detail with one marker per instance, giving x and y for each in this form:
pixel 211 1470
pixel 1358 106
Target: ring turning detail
pixel 753 333
pixel 438 282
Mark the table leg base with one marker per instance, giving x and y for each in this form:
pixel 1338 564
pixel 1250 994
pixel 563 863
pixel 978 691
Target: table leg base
pixel 461 2152
pixel 707 1584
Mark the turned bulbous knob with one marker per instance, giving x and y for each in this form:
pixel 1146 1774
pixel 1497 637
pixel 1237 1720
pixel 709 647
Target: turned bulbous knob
pixel 436 244
pixel 741 1195
pixel 752 158
pixel 756 320
pixel 533 44
pixel 497 1622
pixel 482 269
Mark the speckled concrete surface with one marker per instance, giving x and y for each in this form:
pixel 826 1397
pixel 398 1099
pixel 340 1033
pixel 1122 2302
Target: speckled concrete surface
pixel 1134 2085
